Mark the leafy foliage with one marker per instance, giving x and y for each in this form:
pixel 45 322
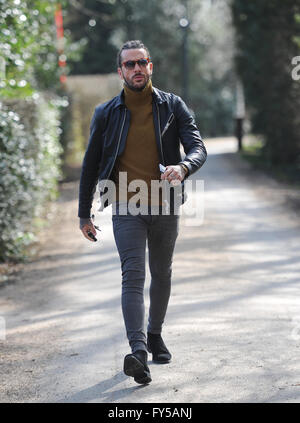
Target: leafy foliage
pixel 267 34
pixel 29 166
pixel 28 47
pixel 30 150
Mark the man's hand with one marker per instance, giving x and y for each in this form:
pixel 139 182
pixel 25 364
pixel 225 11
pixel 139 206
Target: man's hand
pixel 174 174
pixel 86 225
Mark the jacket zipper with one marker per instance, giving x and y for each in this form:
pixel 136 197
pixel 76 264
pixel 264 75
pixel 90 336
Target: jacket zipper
pixel 162 154
pixel 160 135
pixel 170 120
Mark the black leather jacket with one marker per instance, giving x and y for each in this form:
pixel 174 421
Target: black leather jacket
pixel 173 124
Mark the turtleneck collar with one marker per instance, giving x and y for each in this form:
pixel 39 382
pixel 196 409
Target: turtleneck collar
pixel 138 97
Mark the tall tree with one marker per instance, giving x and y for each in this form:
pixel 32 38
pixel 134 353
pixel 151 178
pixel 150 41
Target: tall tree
pixel 267 32
pixel 92 24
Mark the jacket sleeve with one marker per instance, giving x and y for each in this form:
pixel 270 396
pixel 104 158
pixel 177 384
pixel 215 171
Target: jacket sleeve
pixel 90 167
pixel 190 138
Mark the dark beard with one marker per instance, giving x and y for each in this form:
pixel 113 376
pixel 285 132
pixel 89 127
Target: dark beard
pixel 133 88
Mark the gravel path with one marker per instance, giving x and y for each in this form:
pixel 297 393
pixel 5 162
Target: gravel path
pixel 233 323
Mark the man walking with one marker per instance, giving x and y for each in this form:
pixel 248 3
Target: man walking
pixel 133 134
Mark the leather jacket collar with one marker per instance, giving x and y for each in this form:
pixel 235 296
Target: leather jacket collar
pixel 157 96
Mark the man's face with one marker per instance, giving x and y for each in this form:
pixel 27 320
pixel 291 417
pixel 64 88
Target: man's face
pixel 135 78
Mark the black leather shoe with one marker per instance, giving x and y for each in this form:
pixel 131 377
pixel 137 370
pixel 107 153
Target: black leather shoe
pixel 156 346
pixel 135 365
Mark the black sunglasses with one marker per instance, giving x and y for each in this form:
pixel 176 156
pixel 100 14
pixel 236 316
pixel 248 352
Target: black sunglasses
pixel 130 64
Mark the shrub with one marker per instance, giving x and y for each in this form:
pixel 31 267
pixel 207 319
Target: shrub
pixel 29 167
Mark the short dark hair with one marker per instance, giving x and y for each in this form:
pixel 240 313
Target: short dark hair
pixel 129 45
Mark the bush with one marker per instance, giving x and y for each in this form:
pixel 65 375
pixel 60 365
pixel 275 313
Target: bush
pixel 29 167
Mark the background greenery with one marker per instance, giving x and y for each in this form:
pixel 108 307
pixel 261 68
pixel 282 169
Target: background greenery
pixel 30 169
pixel 267 38
pixel 30 110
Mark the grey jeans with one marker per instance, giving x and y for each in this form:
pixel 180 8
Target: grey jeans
pixel 131 233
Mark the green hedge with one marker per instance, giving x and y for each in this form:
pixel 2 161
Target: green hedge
pixel 30 161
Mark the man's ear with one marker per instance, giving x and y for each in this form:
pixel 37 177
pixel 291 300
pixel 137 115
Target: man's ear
pixel 120 73
pixel 151 67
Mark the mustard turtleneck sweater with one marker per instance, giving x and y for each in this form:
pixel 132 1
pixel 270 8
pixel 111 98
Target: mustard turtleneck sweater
pixel 140 158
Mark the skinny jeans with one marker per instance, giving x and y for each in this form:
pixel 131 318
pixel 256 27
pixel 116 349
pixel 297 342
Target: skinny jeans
pixel 132 233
